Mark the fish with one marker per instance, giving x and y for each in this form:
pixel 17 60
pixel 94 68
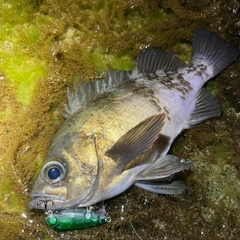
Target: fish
pixel 118 130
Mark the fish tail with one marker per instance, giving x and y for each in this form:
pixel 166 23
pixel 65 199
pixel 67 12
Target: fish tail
pixel 213 50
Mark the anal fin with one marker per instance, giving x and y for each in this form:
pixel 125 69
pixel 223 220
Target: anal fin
pixel 207 106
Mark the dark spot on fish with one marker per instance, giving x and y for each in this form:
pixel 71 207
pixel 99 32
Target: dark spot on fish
pixel 198 73
pixel 149 76
pixel 202 67
pixel 176 81
pixel 172 80
pixel 147 92
pixel 202 71
pixel 167 113
pixel 153 99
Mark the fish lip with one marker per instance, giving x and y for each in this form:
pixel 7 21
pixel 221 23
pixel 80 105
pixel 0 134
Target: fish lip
pixel 47 196
pixel 45 201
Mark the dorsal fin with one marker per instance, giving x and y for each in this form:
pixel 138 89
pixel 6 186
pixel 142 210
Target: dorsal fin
pixel 150 60
pixel 84 92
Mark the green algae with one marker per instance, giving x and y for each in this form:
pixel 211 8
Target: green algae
pixel 19 64
pixel 14 12
pixel 23 71
pixel 11 201
pixel 102 62
pixel 62 41
pixel 183 51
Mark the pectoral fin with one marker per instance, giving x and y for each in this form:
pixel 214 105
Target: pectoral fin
pixel 136 141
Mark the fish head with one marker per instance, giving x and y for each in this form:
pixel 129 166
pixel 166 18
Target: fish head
pixel 69 175
pixel 80 169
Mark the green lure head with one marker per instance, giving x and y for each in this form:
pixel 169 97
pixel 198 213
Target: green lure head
pixel 77 218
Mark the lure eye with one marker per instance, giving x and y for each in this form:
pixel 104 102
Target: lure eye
pixel 53 172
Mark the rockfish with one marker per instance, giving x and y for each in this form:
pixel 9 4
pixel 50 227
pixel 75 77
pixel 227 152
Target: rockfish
pixel 118 130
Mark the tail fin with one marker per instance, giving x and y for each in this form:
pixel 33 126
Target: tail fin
pixel 214 50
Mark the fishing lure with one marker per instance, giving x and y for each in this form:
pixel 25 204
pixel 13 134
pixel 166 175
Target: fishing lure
pixel 76 218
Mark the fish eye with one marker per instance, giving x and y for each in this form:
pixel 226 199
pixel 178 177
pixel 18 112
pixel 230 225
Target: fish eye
pixel 53 172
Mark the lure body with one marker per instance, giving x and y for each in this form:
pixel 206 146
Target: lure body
pixel 78 218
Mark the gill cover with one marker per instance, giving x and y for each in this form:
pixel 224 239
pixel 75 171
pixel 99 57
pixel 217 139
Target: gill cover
pixel 70 173
pixel 82 176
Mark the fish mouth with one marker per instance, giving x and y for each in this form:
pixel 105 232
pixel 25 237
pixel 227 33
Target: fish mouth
pixel 45 201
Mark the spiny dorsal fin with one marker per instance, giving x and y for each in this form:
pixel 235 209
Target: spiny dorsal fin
pixel 84 92
pixel 136 141
pixel 150 60
pixel 206 106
